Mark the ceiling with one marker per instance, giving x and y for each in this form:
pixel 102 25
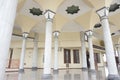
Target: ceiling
pixel 84 20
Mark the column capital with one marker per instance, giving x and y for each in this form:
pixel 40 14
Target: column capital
pixel 103 13
pixel 25 34
pixel 89 33
pixel 56 33
pixel 82 35
pixel 49 15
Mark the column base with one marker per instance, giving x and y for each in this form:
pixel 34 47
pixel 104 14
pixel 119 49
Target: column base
pixel 92 71
pixel 34 68
pixel 84 69
pixel 55 71
pixel 47 77
pixel 113 77
pixel 118 66
pixel 21 71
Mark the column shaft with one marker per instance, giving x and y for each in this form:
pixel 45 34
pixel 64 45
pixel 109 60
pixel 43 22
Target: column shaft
pixel 35 56
pixel 112 69
pixel 56 54
pixel 91 53
pixel 56 34
pixel 48 47
pixel 21 67
pixel 119 54
pixel 83 47
pixel 118 51
pixel 7 17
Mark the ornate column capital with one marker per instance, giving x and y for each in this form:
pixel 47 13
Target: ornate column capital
pixel 49 15
pixel 83 36
pixel 56 33
pixel 25 35
pixel 89 33
pixel 103 13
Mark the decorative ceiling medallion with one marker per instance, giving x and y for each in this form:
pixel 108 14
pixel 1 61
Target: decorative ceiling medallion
pixel 36 11
pixel 114 7
pixel 72 9
pixel 97 25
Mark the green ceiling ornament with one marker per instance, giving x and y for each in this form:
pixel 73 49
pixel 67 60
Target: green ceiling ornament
pixel 112 34
pixel 72 9
pixel 36 11
pixel 114 7
pixel 98 25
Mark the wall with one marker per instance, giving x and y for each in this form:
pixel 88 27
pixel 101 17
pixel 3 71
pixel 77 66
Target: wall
pixel 66 40
pixel 101 53
pixel 15 58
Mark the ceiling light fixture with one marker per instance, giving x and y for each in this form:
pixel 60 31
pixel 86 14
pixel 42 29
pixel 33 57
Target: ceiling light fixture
pixel 98 25
pixel 36 11
pixel 114 7
pixel 72 9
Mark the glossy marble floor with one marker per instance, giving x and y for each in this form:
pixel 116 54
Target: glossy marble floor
pixel 71 74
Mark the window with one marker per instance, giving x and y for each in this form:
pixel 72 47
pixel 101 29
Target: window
pixel 76 56
pixel 67 56
pixel 98 57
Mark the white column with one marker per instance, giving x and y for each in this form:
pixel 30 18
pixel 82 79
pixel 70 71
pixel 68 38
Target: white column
pixel 21 67
pixel 91 53
pixel 7 17
pixel 35 53
pixel 119 54
pixel 56 34
pixel 93 76
pixel 118 51
pixel 20 76
pixel 112 69
pixel 48 44
pixel 85 75
pixel 34 75
pixel 83 51
pixel 55 77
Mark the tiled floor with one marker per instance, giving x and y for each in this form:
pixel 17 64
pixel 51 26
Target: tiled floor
pixel 71 74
